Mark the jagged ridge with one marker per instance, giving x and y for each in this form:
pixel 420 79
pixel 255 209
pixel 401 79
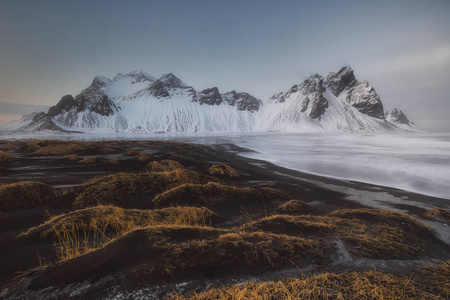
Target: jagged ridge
pixel 138 102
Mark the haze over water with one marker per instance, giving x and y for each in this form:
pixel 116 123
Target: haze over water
pixel 412 162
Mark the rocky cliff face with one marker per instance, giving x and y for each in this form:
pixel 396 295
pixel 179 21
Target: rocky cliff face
pixel 359 94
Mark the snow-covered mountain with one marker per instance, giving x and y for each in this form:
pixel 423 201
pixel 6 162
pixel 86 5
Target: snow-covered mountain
pixel 138 102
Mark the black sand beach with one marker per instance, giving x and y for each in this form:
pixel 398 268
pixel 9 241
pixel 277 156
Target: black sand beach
pixel 33 268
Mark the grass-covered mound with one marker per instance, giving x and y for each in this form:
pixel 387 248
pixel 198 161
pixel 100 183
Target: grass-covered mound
pixel 368 233
pixel 82 231
pixel 145 157
pixel 89 160
pixel 118 188
pixel 294 207
pixel 223 170
pixel 58 149
pixel 71 157
pixel 8 147
pixel 349 285
pixel 159 255
pixel 7 157
pixel 24 195
pixel 211 193
pixel 438 214
pixel 113 161
pixel 165 165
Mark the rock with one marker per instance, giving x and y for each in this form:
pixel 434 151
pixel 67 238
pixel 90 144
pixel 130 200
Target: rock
pixel 366 100
pixel 210 96
pixel 65 104
pixel 98 103
pixel 313 89
pixel 397 116
pixel 157 89
pixel 338 82
pixel 243 101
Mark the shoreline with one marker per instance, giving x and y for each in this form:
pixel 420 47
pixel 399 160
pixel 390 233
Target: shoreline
pixel 324 195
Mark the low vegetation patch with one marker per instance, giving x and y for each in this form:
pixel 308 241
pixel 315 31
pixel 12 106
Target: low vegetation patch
pixel 223 170
pixel 211 193
pixel 24 195
pixel 367 233
pixel 114 189
pixel 84 230
pixel 6 157
pixel 159 255
pixel 89 160
pixel 8 147
pixel 71 157
pixel 349 285
pixel 113 161
pixel 294 207
pixel 58 149
pixel 133 153
pixel 145 157
pixel 165 165
pixel 438 214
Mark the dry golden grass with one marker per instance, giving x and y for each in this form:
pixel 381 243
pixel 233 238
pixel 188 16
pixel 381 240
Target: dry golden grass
pixel 205 252
pixel 58 149
pixel 294 207
pixel 85 230
pixel 165 165
pixel 436 278
pixel 207 194
pixel 25 194
pixel 113 161
pixel 32 146
pixel 223 170
pixel 6 157
pixel 111 189
pixel 368 233
pixel 299 225
pixel 438 214
pixel 133 153
pixel 145 157
pixel 8 147
pixel 89 160
pixel 367 285
pixel 71 157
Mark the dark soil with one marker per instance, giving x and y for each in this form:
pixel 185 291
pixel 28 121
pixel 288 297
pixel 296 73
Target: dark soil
pixel 259 228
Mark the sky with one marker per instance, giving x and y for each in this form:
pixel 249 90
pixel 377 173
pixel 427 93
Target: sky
pixel 52 48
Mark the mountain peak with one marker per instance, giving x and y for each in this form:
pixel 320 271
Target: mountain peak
pixel 344 79
pixel 171 81
pixel 136 75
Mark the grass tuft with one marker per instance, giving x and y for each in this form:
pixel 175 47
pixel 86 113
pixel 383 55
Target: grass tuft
pixel 211 193
pixel 85 230
pixel 6 157
pixel 348 285
pixel 145 157
pixel 89 160
pixel 294 207
pixel 223 170
pixel 165 165
pixel 71 157
pixel 24 195
pixel 112 189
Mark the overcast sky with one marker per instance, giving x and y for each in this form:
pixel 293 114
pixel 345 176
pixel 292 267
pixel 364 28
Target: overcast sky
pixel 52 48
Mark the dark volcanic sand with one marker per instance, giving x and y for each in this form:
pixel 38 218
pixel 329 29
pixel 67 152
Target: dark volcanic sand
pixel 19 255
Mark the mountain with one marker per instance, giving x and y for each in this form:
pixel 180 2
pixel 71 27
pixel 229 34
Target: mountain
pixel 138 102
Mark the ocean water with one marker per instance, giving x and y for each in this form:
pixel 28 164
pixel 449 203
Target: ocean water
pixel 413 162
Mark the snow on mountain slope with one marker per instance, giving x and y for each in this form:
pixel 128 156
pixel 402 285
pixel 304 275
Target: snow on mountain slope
pixel 138 102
